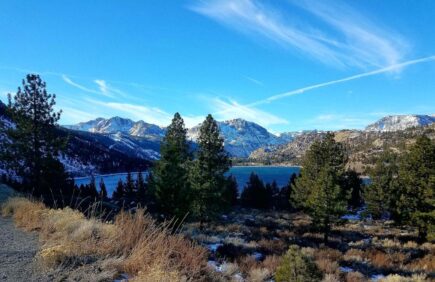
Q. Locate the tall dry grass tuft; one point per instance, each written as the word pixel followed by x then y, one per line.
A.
pixel 153 246
pixel 27 214
pixel 133 244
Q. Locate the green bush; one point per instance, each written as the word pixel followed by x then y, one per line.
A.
pixel 296 267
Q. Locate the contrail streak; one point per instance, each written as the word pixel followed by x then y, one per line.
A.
pixel 338 81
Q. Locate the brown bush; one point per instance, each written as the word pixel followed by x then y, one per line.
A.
pixel 327 266
pixel 426 263
pixel 271 263
pixel 246 263
pixel 272 246
pixel 143 248
pixel 355 277
pixel 353 255
pixel 258 275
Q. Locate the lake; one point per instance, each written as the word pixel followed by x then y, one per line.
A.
pixel 280 174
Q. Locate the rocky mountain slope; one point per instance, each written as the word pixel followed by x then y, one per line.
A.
pixel 400 122
pixel 125 126
pixel 242 137
pixel 108 145
pixel 362 146
pixel 88 153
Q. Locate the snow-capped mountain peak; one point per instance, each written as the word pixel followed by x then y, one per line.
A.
pixel 400 122
pixel 241 136
pixel 120 125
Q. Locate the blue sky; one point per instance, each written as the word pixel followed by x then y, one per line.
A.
pixel 287 65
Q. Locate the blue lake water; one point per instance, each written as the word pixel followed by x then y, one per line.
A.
pixel 280 174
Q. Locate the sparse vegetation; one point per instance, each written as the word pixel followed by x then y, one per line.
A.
pixel 133 243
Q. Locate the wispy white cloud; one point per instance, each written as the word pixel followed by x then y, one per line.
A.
pixel 253 80
pixel 346 79
pixel 225 110
pixel 79 86
pixel 340 36
pixel 103 86
pixel 108 90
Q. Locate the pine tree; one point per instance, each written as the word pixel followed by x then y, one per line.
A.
pixel 231 192
pixel 284 196
pixel 35 144
pixel 352 184
pixel 170 182
pixel 318 189
pixel 254 194
pixel 93 187
pixel 207 173
pixel 140 189
pixel 380 195
pixel 129 186
pixel 103 190
pixel 119 191
pixel 416 201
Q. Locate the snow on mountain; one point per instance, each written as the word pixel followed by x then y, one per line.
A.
pixel 242 137
pixel 143 129
pixel 139 139
pixel 400 122
pixel 122 125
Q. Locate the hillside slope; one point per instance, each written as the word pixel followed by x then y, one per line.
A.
pixel 362 146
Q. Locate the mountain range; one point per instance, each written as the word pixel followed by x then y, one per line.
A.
pixel 400 122
pixel 241 137
pixel 115 144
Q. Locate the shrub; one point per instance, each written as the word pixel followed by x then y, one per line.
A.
pixel 135 242
pixel 297 267
pixel 271 263
pixel 258 275
pixel 355 277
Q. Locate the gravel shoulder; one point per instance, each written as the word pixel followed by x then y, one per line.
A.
pixel 17 249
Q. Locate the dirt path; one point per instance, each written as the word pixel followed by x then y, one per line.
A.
pixel 17 250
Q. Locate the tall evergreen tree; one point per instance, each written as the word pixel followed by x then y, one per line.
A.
pixel 141 189
pixel 380 195
pixel 92 187
pixel 129 186
pixel 207 173
pixel 284 196
pixel 352 184
pixel 231 192
pixel 119 191
pixel 103 190
pixel 170 182
pixel 318 189
pixel 416 201
pixel 35 144
pixel 254 194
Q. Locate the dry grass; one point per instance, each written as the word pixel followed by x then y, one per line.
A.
pixel 398 278
pixel 133 244
pixel 259 275
pixel 354 277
